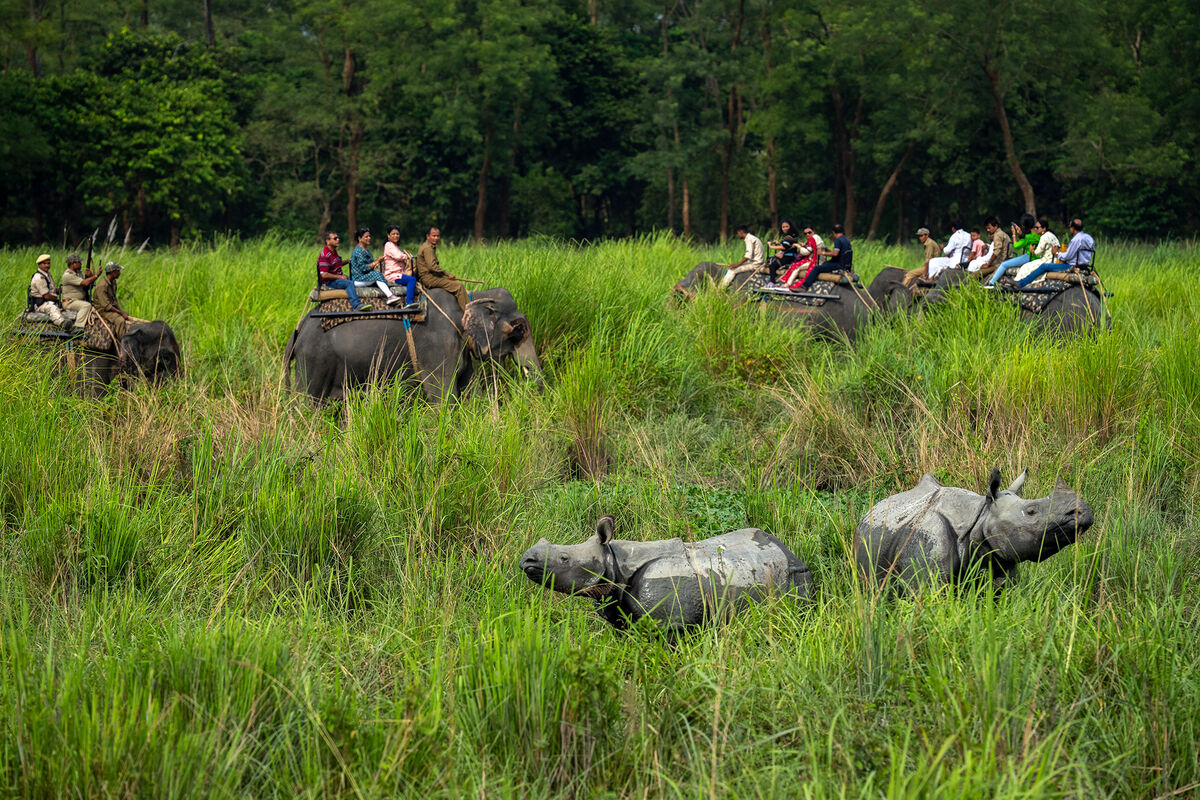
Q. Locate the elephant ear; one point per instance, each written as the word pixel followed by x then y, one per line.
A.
pixel 479 326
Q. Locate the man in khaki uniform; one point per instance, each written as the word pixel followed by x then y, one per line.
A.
pixel 104 301
pixel 932 250
pixel 1002 248
pixel 429 272
pixel 43 293
pixel 75 285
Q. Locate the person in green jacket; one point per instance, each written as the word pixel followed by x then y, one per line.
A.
pixel 1025 239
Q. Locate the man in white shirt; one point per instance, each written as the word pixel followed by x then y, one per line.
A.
pixel 959 242
pixel 754 260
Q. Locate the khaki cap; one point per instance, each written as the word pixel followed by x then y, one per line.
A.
pixel 112 266
pixel 922 231
pixel 43 258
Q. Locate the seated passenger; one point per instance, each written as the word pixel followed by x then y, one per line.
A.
pixel 752 261
pixel 1079 254
pixel 841 257
pixel 931 251
pixel 1001 249
pixel 1025 238
pixel 1043 254
pixel 806 264
pixel 787 251
pixel 43 294
pixel 362 267
pixel 331 276
pixel 957 246
pixel 75 288
pixel 397 266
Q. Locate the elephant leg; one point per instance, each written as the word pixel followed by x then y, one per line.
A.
pixel 440 382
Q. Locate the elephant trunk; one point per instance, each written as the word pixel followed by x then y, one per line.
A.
pixel 527 357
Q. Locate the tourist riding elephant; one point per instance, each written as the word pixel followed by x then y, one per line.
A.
pixel 148 349
pixel 366 351
pixel 842 313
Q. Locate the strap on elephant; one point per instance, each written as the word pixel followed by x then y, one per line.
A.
pixel 412 347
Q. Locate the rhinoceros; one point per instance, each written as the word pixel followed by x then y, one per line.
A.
pixel 676 584
pixel 941 533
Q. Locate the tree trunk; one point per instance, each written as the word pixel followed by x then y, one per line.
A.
pixel 145 20
pixel 1010 151
pixel 326 218
pixel 35 65
pixel 887 188
pixel 772 195
pixel 481 198
pixel 356 139
pixel 687 208
pixel 174 234
pixel 209 36
pixel 726 158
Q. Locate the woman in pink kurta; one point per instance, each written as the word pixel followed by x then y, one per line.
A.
pixel 397 265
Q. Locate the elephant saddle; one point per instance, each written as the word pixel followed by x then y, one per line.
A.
pixel 1035 302
pixel 341 306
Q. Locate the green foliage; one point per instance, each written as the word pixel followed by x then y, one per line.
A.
pixel 211 588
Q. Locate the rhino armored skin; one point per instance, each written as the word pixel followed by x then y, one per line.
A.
pixel 938 533
pixel 676 584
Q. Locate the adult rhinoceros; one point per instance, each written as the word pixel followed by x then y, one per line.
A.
pixel 841 313
pixel 940 533
pixel 364 351
pixel 674 583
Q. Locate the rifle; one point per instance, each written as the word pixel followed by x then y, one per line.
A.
pixel 87 270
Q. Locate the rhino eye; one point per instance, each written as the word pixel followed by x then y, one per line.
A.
pixel 563 559
pixel 1030 511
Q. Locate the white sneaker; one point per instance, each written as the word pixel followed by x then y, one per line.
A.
pixel 391 301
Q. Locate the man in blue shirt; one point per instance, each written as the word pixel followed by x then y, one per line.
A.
pixel 841 257
pixel 1079 253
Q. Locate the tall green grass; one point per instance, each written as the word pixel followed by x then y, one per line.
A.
pixel 211 588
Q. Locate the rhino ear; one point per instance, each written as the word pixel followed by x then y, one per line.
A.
pixel 1015 488
pixel 605 528
pixel 993 485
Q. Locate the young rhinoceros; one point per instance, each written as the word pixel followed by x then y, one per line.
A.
pixel 940 533
pixel 676 584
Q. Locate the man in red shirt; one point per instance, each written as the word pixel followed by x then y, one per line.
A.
pixel 330 274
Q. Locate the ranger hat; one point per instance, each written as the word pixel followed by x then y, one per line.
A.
pixel 922 231
pixel 112 266
pixel 74 258
pixel 43 258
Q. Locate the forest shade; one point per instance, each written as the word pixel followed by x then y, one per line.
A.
pixel 501 118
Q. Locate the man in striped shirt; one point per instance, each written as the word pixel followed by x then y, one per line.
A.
pixel 330 274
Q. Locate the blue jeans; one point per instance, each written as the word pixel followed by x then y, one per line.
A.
pixel 1049 266
pixel 410 288
pixel 1015 261
pixel 348 286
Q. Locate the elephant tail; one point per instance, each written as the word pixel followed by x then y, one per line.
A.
pixel 289 355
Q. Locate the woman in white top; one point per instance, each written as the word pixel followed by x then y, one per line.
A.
pixel 1043 254
pixel 397 265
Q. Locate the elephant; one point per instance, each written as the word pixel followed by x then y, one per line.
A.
pixel 150 350
pixel 1076 309
pixel 368 351
pixel 840 316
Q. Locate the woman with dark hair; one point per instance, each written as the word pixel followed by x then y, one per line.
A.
pixel 1043 255
pixel 804 271
pixel 787 251
pixel 1025 238
pixel 362 266
pixel 397 265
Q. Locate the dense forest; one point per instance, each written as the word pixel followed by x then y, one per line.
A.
pixel 593 118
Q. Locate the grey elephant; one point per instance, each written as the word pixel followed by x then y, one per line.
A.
pixel 840 316
pixel 149 350
pixel 675 584
pixel 937 533
pixel 1075 309
pixel 366 351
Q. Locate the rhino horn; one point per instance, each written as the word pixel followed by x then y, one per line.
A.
pixel 1060 484
pixel 605 528
pixel 1016 486
pixel 993 484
